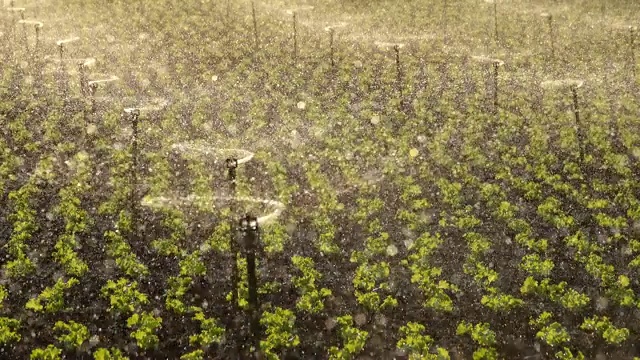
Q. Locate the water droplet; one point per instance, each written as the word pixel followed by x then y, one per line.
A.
pixel 360 319
pixel 91 129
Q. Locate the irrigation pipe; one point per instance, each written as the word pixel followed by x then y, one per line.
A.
pixel 204 150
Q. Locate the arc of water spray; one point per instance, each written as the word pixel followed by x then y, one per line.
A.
pixel 247 155
pixel 86 62
pixel 112 78
pixel 17 9
pixel 145 108
pixel 68 40
pixel 37 24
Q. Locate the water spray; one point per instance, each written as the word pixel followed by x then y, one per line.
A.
pixel 205 152
pixel 248 229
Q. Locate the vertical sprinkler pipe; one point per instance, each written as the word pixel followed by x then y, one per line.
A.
pixel 250 233
pixel 232 165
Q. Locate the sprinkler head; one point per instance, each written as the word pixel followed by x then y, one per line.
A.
pixel 231 163
pixel 249 223
pixel 133 112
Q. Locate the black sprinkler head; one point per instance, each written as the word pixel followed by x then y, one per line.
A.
pixel 231 163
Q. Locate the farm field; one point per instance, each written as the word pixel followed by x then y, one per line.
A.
pixel 451 179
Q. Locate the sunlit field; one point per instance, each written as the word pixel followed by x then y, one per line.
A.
pixel 268 179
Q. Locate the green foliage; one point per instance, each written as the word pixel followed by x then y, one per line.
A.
pixel 566 354
pixel 311 299
pixel 483 336
pixel 365 280
pixel 178 287
pixel 9 330
pixel 602 325
pixel 280 330
pixel 118 248
pixel 559 293
pixel 123 296
pixel 498 301
pixel 353 340
pixel 145 325
pixel 49 353
pixel 418 345
pixel 3 295
pixel 109 354
pixel 52 298
pixel 193 355
pixel 192 265
pixel 534 265
pixel 553 333
pixel 551 211
pixel 74 334
pixel 426 276
pixel 210 331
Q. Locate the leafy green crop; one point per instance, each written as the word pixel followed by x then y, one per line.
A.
pixel 280 331
pixel 418 345
pixel 73 334
pixel 51 299
pixel 145 325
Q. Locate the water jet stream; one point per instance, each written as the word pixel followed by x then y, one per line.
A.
pixel 243 156
pixel 101 81
pixel 38 24
pixel 66 41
